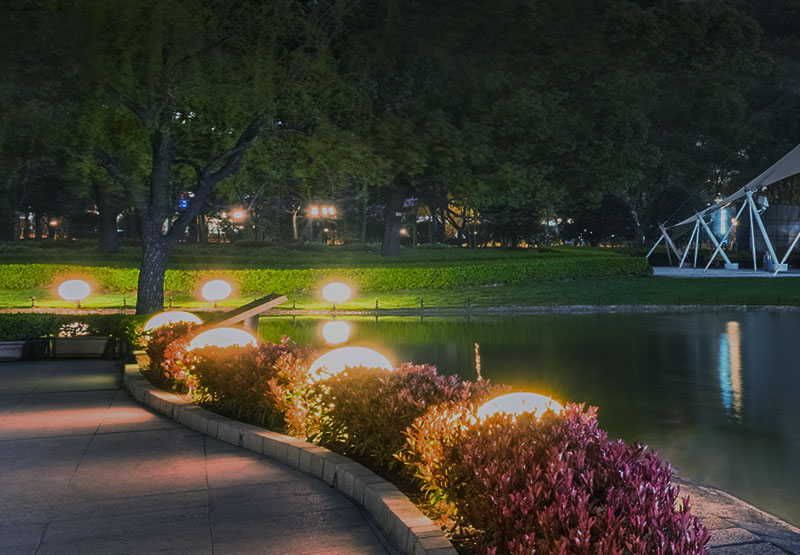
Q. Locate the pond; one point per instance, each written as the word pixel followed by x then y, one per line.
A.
pixel 715 393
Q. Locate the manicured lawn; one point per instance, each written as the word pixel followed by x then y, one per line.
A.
pixel 605 291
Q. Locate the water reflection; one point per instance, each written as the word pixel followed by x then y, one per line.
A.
pixel 730 370
pixel 673 381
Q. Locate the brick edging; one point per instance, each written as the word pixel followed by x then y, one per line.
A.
pixel 404 525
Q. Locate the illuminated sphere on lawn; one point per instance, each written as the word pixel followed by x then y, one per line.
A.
pixel 336 332
pixel 518 403
pixel 74 290
pixel 335 361
pixel 223 337
pixel 171 317
pixel 336 292
pixel 216 290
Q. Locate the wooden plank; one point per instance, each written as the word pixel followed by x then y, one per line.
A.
pixel 245 312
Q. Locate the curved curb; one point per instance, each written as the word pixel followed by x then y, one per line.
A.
pixel 398 518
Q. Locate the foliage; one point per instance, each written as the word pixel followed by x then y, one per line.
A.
pixel 170 362
pixel 444 276
pixel 17 327
pixel 365 411
pixel 553 484
pixel 266 385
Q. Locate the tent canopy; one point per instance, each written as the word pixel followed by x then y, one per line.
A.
pixel 787 166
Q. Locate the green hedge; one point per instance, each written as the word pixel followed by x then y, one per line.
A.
pixel 18 327
pixel 24 276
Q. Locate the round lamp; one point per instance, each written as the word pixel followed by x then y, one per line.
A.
pixel 518 403
pixel 216 290
pixel 336 332
pixel 336 292
pixel 335 361
pixel 171 317
pixel 74 290
pixel 222 337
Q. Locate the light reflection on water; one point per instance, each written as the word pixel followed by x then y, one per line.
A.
pixel 715 393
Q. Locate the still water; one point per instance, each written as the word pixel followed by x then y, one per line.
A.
pixel 715 393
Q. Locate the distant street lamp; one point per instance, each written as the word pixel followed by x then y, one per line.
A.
pixel 237 215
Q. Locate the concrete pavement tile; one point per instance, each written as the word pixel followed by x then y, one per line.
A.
pixel 748 549
pixel 238 469
pixel 28 459
pixel 241 508
pixel 126 415
pixel 20 535
pixel 730 536
pixel 51 415
pixel 183 529
pixel 112 506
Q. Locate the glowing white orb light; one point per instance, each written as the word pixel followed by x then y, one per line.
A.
pixel 336 332
pixel 74 290
pixel 171 317
pixel 335 361
pixel 336 292
pixel 517 403
pixel 222 337
pixel 216 290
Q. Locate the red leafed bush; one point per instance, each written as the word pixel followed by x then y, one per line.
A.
pixel 553 484
pixel 169 360
pixel 267 385
pixel 365 411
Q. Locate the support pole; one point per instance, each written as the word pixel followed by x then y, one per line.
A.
pixel 713 256
pixel 752 237
pixel 696 247
pixel 654 246
pixel 785 256
pixel 689 244
pixel 761 227
pixel 670 244
pixel 713 239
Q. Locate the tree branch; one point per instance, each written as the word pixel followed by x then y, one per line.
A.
pixel 110 165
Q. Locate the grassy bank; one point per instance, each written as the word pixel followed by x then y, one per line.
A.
pixel 601 291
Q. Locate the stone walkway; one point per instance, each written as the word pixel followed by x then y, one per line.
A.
pixel 84 469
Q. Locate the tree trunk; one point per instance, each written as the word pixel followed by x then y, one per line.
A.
pixel 393 219
pixel 150 292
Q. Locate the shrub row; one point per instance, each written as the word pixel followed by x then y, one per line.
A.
pixel 384 279
pixel 18 327
pixel 548 483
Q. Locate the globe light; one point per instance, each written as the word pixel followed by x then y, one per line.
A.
pixel 238 214
pixel 518 403
pixel 336 292
pixel 335 361
pixel 74 290
pixel 336 332
pixel 171 317
pixel 222 337
pixel 216 290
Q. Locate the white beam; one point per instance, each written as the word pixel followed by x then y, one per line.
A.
pixel 785 256
pixel 716 252
pixel 654 246
pixel 713 239
pixel 761 227
pixel 689 244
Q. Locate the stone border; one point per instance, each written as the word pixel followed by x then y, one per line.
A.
pixel 396 516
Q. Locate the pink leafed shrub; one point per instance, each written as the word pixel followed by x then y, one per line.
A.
pixel 169 360
pixel 267 385
pixel 365 411
pixel 554 484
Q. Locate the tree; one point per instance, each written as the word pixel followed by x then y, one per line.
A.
pixel 176 95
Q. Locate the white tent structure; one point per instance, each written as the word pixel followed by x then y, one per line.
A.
pixel 787 166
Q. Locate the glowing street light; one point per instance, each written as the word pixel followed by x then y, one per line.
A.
pixel 74 290
pixel 171 317
pixel 216 290
pixel 336 332
pixel 335 361
pixel 518 403
pixel 237 215
pixel 223 337
pixel 336 292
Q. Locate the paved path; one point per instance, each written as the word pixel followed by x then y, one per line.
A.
pixel 85 469
pixel 742 272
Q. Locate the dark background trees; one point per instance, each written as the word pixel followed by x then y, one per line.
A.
pixel 474 122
